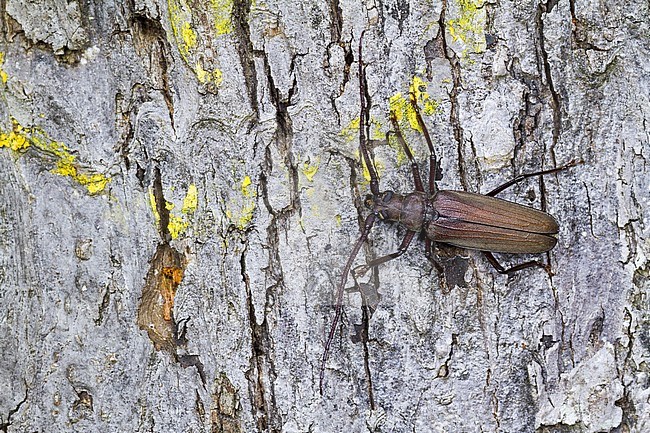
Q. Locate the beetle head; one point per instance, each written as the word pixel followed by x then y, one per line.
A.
pixel 386 205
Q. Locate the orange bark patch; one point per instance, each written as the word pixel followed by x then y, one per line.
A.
pixel 156 309
pixel 173 277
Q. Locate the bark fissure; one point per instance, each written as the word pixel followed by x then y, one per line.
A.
pixel 527 120
pixel 336 21
pixel 262 362
pixel 240 16
pixel 624 368
pixel 445 368
pixel 164 76
pixel 542 55
pixel 589 211
pixel 161 206
pixel 579 33
pixel 103 306
pixel 4 426
pixel 156 307
pixel 454 115
pixel 260 346
pixel 365 323
pixel 150 40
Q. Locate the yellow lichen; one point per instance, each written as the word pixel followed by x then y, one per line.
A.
pixel 239 210
pixel 188 23
pixel 222 12
pixel 180 20
pixel 309 170
pixel 189 35
pixel 20 139
pixel 402 109
pixel 179 222
pixel 242 217
pixel 418 90
pixel 377 130
pixel 205 77
pixel 469 26
pixel 217 77
pixel 15 139
pixel 246 187
pixel 379 167
pixel 191 200
pixel 246 216
pixel 202 75
pixel 154 208
pixel 177 225
pixel 351 131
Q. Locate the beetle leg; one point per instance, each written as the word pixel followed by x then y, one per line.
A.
pixel 434 171
pixel 417 179
pixel 500 269
pixel 360 270
pixel 428 253
pixel 521 177
pixel 429 246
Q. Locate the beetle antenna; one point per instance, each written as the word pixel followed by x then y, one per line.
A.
pixel 370 220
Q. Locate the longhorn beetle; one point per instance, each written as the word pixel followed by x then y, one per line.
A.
pixel 459 218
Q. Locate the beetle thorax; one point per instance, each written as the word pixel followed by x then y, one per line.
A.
pixel 408 210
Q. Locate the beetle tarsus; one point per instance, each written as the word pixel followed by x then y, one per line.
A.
pixel 506 271
pixel 360 271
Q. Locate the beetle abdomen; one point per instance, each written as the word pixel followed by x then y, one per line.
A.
pixel 488 238
pixel 490 224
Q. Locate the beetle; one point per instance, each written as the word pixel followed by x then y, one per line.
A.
pixel 459 218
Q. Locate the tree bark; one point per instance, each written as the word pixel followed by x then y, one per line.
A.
pixel 180 188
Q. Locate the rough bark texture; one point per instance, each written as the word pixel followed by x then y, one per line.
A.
pixel 180 188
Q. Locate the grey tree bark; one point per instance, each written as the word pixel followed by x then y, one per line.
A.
pixel 180 187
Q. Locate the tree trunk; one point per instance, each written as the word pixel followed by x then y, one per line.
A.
pixel 180 188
